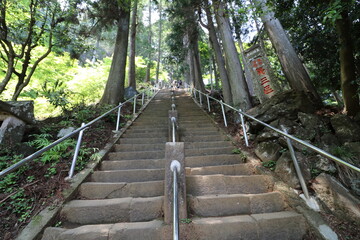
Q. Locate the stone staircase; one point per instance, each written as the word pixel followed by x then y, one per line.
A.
pixel 123 199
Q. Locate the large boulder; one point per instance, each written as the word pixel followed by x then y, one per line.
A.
pixel 11 131
pixel 286 171
pixel 268 151
pixel 285 104
pixel 130 92
pixel 345 129
pixel 23 110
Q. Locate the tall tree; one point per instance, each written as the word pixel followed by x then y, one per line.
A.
pixel 147 78
pixel 24 27
pixel 239 89
pixel 218 54
pixel 313 30
pixel 159 43
pixel 293 68
pixel 132 79
pixel 347 62
pixel 114 90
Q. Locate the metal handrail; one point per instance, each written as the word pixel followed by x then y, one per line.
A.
pixel 83 127
pixel 173 123
pixel 175 167
pixel 312 147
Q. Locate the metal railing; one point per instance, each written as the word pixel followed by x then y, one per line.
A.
pixel 175 168
pixel 78 144
pixel 197 93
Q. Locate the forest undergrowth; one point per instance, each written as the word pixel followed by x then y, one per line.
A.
pixel 39 184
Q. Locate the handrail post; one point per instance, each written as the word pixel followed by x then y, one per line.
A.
pixel 244 128
pixel 208 102
pixel 296 165
pixel 76 153
pixel 200 98
pixel 175 168
pixel 118 117
pixel 142 98
pixel 223 112
pixel 135 99
pixel 173 121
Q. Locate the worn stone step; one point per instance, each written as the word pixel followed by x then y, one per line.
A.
pixel 142 140
pixel 189 134
pixel 132 164
pixel 234 169
pixel 98 190
pixel 199 130
pixel 190 145
pixel 200 185
pixel 235 204
pixel 136 175
pixel 136 155
pixel 112 210
pixel 146 135
pixel 124 231
pixel 203 138
pixel 148 130
pixel 213 160
pixel 138 147
pixel 265 226
pixel 208 151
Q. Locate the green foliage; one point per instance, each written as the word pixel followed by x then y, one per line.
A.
pixel 341 152
pixel 236 151
pixel 270 164
pixel 186 220
pixel 54 154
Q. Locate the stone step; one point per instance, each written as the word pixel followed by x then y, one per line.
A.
pixel 234 169
pixel 132 164
pixel 203 138
pixel 190 145
pixel 112 210
pixel 136 175
pixel 143 140
pixel 146 135
pixel 125 231
pixel 98 190
pixel 136 155
pixel 200 185
pixel 139 147
pixel 214 133
pixel 147 130
pixel 235 204
pixel 213 160
pixel 208 151
pixel 199 130
pixel 264 226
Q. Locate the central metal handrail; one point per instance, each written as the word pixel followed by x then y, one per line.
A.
pixel 314 148
pixel 175 167
pixel 173 124
pixel 60 140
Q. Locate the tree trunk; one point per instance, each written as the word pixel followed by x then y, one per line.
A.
pixel 114 90
pixel 132 67
pixel 216 75
pixel 199 83
pixel 238 86
pixel 219 57
pixel 9 72
pixel 347 65
pixel 291 64
pixel 159 44
pixel 147 77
